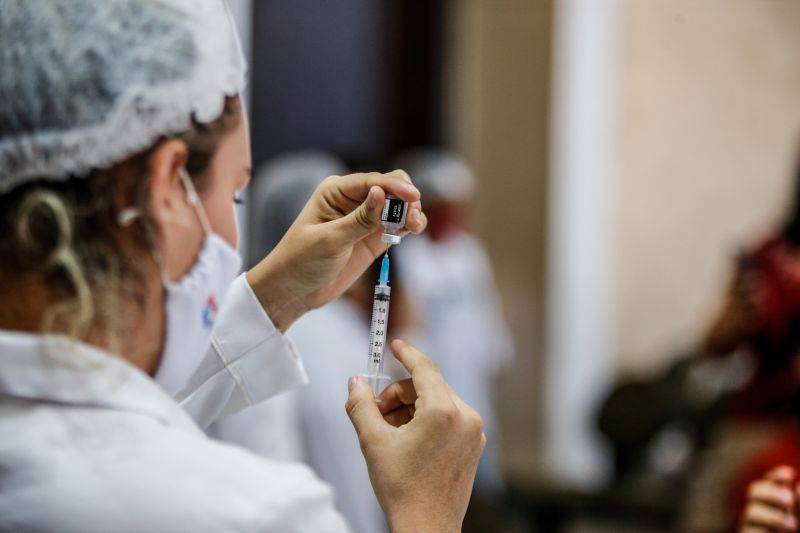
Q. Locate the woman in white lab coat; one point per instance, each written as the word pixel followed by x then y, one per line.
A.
pixel 123 145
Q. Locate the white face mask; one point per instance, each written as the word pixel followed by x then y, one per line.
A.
pixel 192 303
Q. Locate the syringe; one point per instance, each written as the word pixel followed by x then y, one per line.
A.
pixel 380 320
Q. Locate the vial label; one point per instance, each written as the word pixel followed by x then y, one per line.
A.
pixel 393 211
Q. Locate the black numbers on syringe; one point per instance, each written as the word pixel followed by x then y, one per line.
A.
pixel 378 335
pixel 380 313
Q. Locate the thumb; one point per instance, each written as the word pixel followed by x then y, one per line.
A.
pixel 363 220
pixel 363 409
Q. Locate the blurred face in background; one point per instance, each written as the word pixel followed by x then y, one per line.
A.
pixel 447 219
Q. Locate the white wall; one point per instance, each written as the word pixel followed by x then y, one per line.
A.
pixel 578 349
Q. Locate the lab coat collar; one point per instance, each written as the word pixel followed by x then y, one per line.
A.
pixel 56 369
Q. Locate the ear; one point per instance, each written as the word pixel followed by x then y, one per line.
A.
pixel 167 194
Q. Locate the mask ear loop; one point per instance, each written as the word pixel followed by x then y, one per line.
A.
pixel 125 218
pixel 194 201
pixel 128 215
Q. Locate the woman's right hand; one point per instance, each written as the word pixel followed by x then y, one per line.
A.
pixel 421 443
pixel 334 239
pixel 772 503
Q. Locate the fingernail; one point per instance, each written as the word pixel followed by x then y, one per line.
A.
pixel 411 188
pixel 791 522
pixel 416 215
pixel 351 383
pixel 372 202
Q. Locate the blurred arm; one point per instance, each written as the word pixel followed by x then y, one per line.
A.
pixel 734 321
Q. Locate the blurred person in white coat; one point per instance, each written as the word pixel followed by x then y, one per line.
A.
pixel 123 149
pixel 308 424
pixel 334 341
pixel 455 294
pixel 280 189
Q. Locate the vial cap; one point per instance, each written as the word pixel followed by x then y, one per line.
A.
pixel 388 238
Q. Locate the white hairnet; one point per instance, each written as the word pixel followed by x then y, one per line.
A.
pixel 280 190
pixel 439 174
pixel 85 84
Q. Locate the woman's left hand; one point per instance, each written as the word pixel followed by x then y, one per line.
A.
pixel 332 242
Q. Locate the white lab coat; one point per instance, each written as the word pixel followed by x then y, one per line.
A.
pixel 88 442
pixel 459 309
pixel 334 342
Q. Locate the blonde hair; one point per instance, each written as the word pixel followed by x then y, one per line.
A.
pixel 35 207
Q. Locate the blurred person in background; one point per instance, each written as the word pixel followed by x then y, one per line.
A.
pixel 124 145
pixel 760 317
pixel 280 189
pixel 308 424
pixel 335 340
pixel 455 295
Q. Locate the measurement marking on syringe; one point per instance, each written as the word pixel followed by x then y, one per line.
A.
pixel 378 329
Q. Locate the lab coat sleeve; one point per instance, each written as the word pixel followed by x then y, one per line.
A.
pixel 249 361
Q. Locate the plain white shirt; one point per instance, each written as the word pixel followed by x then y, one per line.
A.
pixel 88 442
pixel 460 312
pixel 334 341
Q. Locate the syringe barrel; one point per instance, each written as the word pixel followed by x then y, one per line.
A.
pixel 377 341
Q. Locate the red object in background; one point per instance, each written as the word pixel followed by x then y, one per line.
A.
pixel 776 266
pixel 774 339
pixel 446 219
pixel 782 449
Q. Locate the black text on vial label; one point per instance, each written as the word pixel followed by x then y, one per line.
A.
pixel 393 211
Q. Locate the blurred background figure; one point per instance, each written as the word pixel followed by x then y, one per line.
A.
pixel 760 319
pixel 455 296
pixel 279 191
pixel 761 316
pixel 334 341
pixel 310 424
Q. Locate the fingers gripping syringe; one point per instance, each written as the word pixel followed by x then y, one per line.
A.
pixel 380 320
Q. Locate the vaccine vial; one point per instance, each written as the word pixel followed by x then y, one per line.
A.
pixel 393 219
